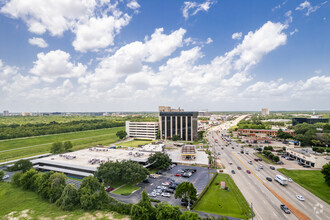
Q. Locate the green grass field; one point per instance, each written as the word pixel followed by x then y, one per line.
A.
pixel 18 200
pixel 312 180
pixel 134 143
pixel 222 202
pixel 24 147
pixel 126 190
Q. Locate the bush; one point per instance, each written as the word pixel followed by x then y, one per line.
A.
pixel 23 165
pixel 16 179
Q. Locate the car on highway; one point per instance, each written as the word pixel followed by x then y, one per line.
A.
pixel 260 159
pixel 285 209
pixel 230 163
pixel 256 159
pixel 261 167
pixel 250 162
pixel 272 168
pixel 248 171
pixel 257 169
pixel 300 197
pixel 233 171
pixel 269 179
pixel 239 168
pixel 290 180
pixel 177 174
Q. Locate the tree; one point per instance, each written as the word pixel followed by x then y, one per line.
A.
pixel 186 191
pixel 67 145
pixel 27 180
pixel 16 179
pixel 121 134
pixel 2 174
pixel 23 165
pixel 187 215
pixel 143 210
pixel 57 184
pixel 284 149
pixel 57 148
pixel 326 172
pixel 88 193
pixel 276 158
pixel 69 198
pixel 259 149
pixel 43 183
pixel 167 211
pixel 175 137
pixel 160 160
pixel 200 135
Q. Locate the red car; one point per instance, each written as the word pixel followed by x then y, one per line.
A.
pixel 108 188
pixel 248 171
pixel 177 174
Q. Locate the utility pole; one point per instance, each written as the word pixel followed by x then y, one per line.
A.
pixel 251 210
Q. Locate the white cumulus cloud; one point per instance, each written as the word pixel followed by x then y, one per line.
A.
pixel 192 8
pixel 37 41
pixel 133 5
pixel 56 64
pixel 237 36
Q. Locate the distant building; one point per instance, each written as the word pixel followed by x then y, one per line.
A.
pixel 5 113
pixel 296 121
pixel 261 132
pixel 144 130
pixel 307 156
pixel 177 122
pixel 204 114
pixel 26 113
pixel 264 111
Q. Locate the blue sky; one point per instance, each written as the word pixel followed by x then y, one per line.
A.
pixel 129 55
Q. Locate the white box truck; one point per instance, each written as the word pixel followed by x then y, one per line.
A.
pixel 282 180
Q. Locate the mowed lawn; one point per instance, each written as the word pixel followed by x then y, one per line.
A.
pixel 126 190
pixel 24 147
pixel 16 200
pixel 219 201
pixel 312 180
pixel 134 143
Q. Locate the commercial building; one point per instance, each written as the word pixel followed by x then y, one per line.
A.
pixel 296 121
pixel 264 111
pixel 188 152
pixel 26 113
pixel 177 122
pixel 307 156
pixel 260 132
pixel 5 113
pixel 144 130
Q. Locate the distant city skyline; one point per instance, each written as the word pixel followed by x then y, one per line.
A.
pixel 131 56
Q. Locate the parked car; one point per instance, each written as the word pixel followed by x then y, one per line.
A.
pixel 166 183
pixel 248 171
pixel 306 166
pixel 152 194
pixel 290 180
pixel 233 171
pixel 146 181
pixel 152 176
pixel 193 170
pixel 285 209
pixel 169 190
pixel 165 194
pixel 269 179
pixel 5 177
pixel 109 189
pixel 300 197
pixel 279 162
pixel 173 186
pixel 177 174
pixel 272 168
pixel 171 180
pixel 159 172
pixel 239 168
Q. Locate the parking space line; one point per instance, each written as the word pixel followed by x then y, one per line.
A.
pixel 294 210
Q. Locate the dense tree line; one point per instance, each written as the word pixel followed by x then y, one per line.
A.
pixel 306 134
pixel 28 130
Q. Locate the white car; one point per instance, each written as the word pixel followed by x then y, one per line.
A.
pixel 166 183
pixel 290 180
pixel 5 177
pixel 258 169
pixel 166 194
pixel 153 194
pixel 300 197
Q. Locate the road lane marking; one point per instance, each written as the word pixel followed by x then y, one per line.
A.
pixel 294 210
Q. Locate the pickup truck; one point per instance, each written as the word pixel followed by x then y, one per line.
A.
pixel 285 209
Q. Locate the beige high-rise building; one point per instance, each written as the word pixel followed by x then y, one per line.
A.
pixel 264 111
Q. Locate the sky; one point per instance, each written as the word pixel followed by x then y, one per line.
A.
pixel 131 55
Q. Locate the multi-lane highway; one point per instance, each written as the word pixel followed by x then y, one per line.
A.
pixel 253 186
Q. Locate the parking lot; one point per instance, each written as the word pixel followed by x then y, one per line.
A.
pixel 200 179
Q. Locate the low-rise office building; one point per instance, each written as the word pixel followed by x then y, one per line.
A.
pixel 307 156
pixel 143 130
pixel 261 132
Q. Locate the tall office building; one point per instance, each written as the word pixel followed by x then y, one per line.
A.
pixel 177 122
pixel 264 111
pixel 5 113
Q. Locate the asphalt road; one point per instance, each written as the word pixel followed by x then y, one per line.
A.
pixel 265 204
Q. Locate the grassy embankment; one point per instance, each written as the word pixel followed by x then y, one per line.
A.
pixel 18 200
pixel 24 147
pixel 219 201
pixel 126 190
pixel 264 158
pixel 312 180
